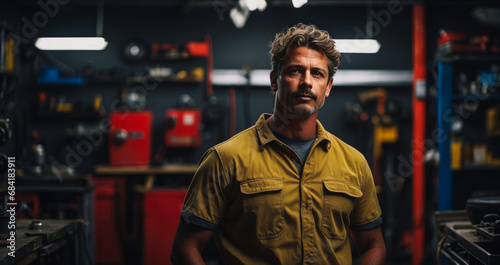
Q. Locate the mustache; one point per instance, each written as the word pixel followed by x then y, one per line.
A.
pixel 304 92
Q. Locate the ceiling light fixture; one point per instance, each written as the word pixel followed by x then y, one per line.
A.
pixel 71 43
pixel 76 43
pixel 261 5
pixel 251 4
pixel 298 3
pixel 357 45
pixel 239 14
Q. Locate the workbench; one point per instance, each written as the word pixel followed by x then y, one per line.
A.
pixel 140 196
pixel 58 199
pixel 465 246
pixel 149 173
pixel 47 240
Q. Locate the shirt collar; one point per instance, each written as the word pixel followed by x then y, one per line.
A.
pixel 266 135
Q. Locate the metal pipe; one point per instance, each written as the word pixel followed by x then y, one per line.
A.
pixel 419 87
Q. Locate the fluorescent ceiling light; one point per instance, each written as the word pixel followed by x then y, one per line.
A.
pixel 71 44
pixel 357 45
pixel 343 77
pixel 298 3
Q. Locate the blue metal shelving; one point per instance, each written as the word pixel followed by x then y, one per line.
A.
pixel 444 109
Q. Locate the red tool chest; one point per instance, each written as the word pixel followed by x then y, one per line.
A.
pixel 130 138
pixel 183 128
pixel 108 195
pixel 162 210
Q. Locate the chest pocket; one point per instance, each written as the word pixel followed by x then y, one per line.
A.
pixel 263 206
pixel 338 204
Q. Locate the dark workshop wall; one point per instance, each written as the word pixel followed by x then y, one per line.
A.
pixel 10 16
pixel 232 48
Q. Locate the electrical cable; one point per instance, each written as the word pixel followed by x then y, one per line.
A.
pixel 440 246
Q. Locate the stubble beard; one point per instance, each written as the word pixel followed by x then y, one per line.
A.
pixel 304 111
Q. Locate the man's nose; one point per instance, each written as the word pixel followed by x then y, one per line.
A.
pixel 306 81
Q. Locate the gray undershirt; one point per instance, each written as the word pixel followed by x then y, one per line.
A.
pixel 300 147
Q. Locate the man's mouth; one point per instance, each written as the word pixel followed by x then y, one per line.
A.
pixel 304 96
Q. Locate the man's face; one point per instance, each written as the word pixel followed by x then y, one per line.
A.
pixel 303 82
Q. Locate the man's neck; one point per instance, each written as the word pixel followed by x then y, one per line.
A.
pixel 298 127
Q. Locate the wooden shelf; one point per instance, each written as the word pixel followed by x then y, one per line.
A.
pixel 68 115
pixel 482 98
pixel 479 57
pixel 104 81
pixel 477 168
pixel 148 172
pixel 145 170
pixel 175 57
pixel 159 80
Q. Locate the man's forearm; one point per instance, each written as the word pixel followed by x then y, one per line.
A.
pixel 189 256
pixel 373 256
pixel 189 242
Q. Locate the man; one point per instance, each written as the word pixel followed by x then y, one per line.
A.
pixel 285 191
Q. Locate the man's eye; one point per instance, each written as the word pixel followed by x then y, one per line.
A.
pixel 294 71
pixel 318 73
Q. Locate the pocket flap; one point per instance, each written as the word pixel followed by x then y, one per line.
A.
pixel 261 185
pixel 340 187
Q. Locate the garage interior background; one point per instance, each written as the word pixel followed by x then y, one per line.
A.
pixel 180 22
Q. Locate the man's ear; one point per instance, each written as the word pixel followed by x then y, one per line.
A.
pixel 329 87
pixel 274 81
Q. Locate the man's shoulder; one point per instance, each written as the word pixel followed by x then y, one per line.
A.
pixel 244 139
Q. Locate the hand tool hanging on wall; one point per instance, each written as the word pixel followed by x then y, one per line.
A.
pixel 385 131
pixel 384 128
pixel 375 113
pixel 383 120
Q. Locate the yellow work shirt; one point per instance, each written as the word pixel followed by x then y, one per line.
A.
pixel 248 191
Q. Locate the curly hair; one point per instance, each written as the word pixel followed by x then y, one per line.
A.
pixel 303 35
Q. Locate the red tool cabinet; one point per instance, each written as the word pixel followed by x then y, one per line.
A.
pixel 183 128
pixel 108 248
pixel 130 138
pixel 162 210
pixel 154 211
